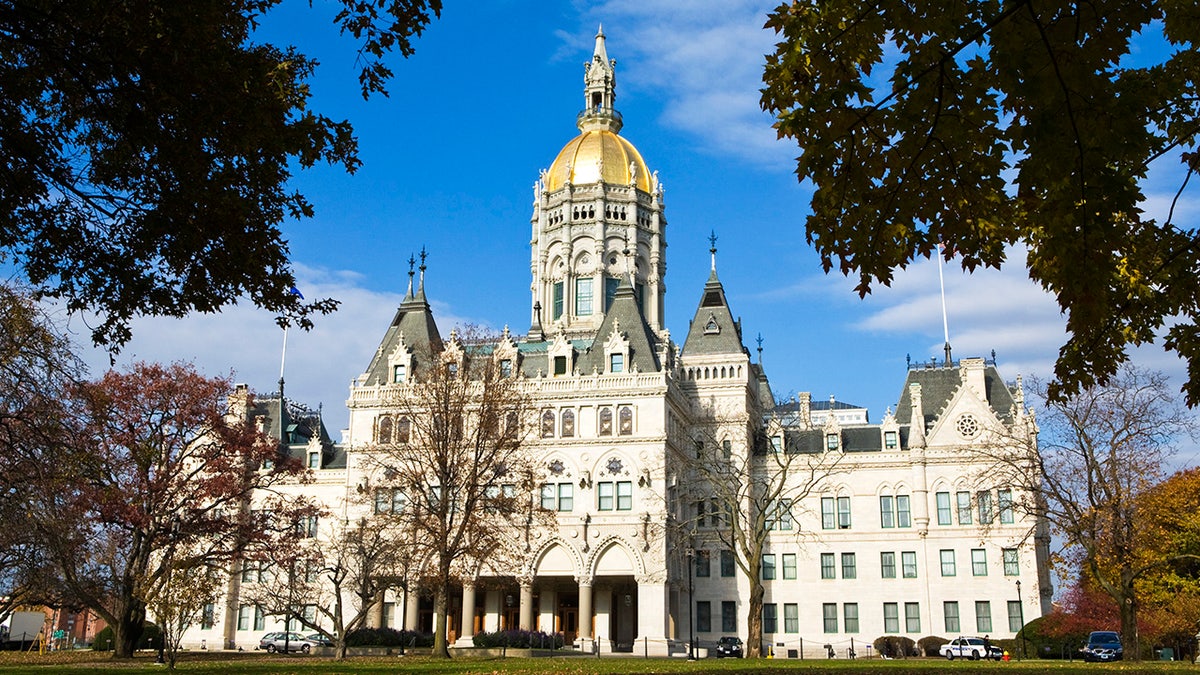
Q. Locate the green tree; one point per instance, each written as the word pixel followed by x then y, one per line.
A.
pixel 981 124
pixel 148 145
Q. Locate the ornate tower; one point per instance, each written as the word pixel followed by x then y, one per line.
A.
pixel 597 215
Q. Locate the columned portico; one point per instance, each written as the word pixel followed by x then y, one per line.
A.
pixel 467 630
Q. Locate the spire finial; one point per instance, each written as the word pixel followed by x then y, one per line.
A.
pixel 411 262
pixel 760 341
pixel 712 240
pixel 421 287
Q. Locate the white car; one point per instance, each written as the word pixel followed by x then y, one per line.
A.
pixel 973 648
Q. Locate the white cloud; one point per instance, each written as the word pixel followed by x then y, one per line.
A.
pixel 703 61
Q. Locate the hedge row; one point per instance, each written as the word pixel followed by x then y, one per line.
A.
pixel 519 639
pixel 387 637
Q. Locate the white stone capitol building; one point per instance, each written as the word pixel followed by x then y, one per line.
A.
pixel 903 536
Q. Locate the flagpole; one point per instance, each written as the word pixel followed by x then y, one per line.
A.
pixel 942 283
pixel 282 361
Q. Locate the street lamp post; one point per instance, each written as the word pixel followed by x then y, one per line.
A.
pixel 1021 618
pixel 691 554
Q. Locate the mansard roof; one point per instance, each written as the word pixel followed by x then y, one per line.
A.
pixel 624 314
pixel 939 385
pixel 414 321
pixel 713 329
pixel 295 426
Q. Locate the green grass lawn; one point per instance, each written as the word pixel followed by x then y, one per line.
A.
pixel 71 663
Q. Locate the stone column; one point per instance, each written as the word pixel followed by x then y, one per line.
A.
pixel 585 613
pixel 526 620
pixel 652 615
pixel 375 619
pixel 468 617
pixel 412 611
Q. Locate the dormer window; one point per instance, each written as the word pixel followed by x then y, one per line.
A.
pixel 314 460
pixel 832 441
pixel 890 440
pixel 452 369
pixel 506 368
pixel 560 365
pixel 398 374
pixel 616 363
pixel 711 328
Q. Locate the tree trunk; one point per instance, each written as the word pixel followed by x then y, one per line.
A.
pixel 127 631
pixel 1129 627
pixel 754 620
pixel 441 648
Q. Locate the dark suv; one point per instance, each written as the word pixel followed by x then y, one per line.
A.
pixel 729 646
pixel 1103 645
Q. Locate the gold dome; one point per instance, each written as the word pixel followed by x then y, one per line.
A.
pixel 594 155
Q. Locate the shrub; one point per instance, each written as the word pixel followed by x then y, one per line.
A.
pixel 1047 640
pixel 387 637
pixel 519 639
pixel 931 645
pixel 149 639
pixel 895 646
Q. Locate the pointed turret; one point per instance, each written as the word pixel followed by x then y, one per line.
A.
pixel 713 330
pixel 413 330
pixel 600 91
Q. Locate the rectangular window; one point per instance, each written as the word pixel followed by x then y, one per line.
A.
pixel 849 566
pixel 314 460
pixel 566 497
pixel 950 612
pixel 548 496
pixel 785 514
pixel 770 618
pixel 964 508
pixel 891 618
pixel 209 616
pixel 983 616
pixel 828 571
pixel 948 567
pixel 843 512
pixel 624 495
pixel 768 567
pixel 1012 566
pixel 979 562
pixel 244 617
pixel 791 618
pixel 616 363
pixel 1005 502
pixel 903 511
pixel 727 564
pixel 703 568
pixel 887 565
pixel 249 571
pixel 604 496
pixel 703 616
pixel 558 301
pixel 850 616
pixel 777 444
pixel 560 365
pixel 887 515
pixel 728 616
pixel 260 618
pixel 890 440
pixel 398 374
pixel 1014 616
pixel 583 297
pixel 610 290
pixel 727 450
pixel 831 441
pixel 829 614
pixel 908 561
pixel 943 508
pixel 985 507
pixel 505 368
pixel 912 617
pixel 828 515
pixel 789 565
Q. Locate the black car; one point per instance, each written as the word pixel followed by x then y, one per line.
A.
pixel 1103 645
pixel 729 646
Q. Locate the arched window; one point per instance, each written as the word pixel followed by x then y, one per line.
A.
pixel 568 423
pixel 625 418
pixel 548 424
pixel 403 429
pixel 383 432
pixel 606 419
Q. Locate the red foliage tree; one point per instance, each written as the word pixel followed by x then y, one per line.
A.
pixel 158 476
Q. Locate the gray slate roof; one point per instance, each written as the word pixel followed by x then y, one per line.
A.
pixel 938 386
pixel 626 314
pixel 713 330
pixel 413 320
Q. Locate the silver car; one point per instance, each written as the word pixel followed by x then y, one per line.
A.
pixel 286 642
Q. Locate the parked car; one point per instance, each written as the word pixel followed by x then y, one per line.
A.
pixel 292 642
pixel 729 646
pixel 973 648
pixel 319 640
pixel 1103 645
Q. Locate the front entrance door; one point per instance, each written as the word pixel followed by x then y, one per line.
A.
pixel 568 624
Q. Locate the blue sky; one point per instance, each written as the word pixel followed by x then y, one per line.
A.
pixel 487 101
